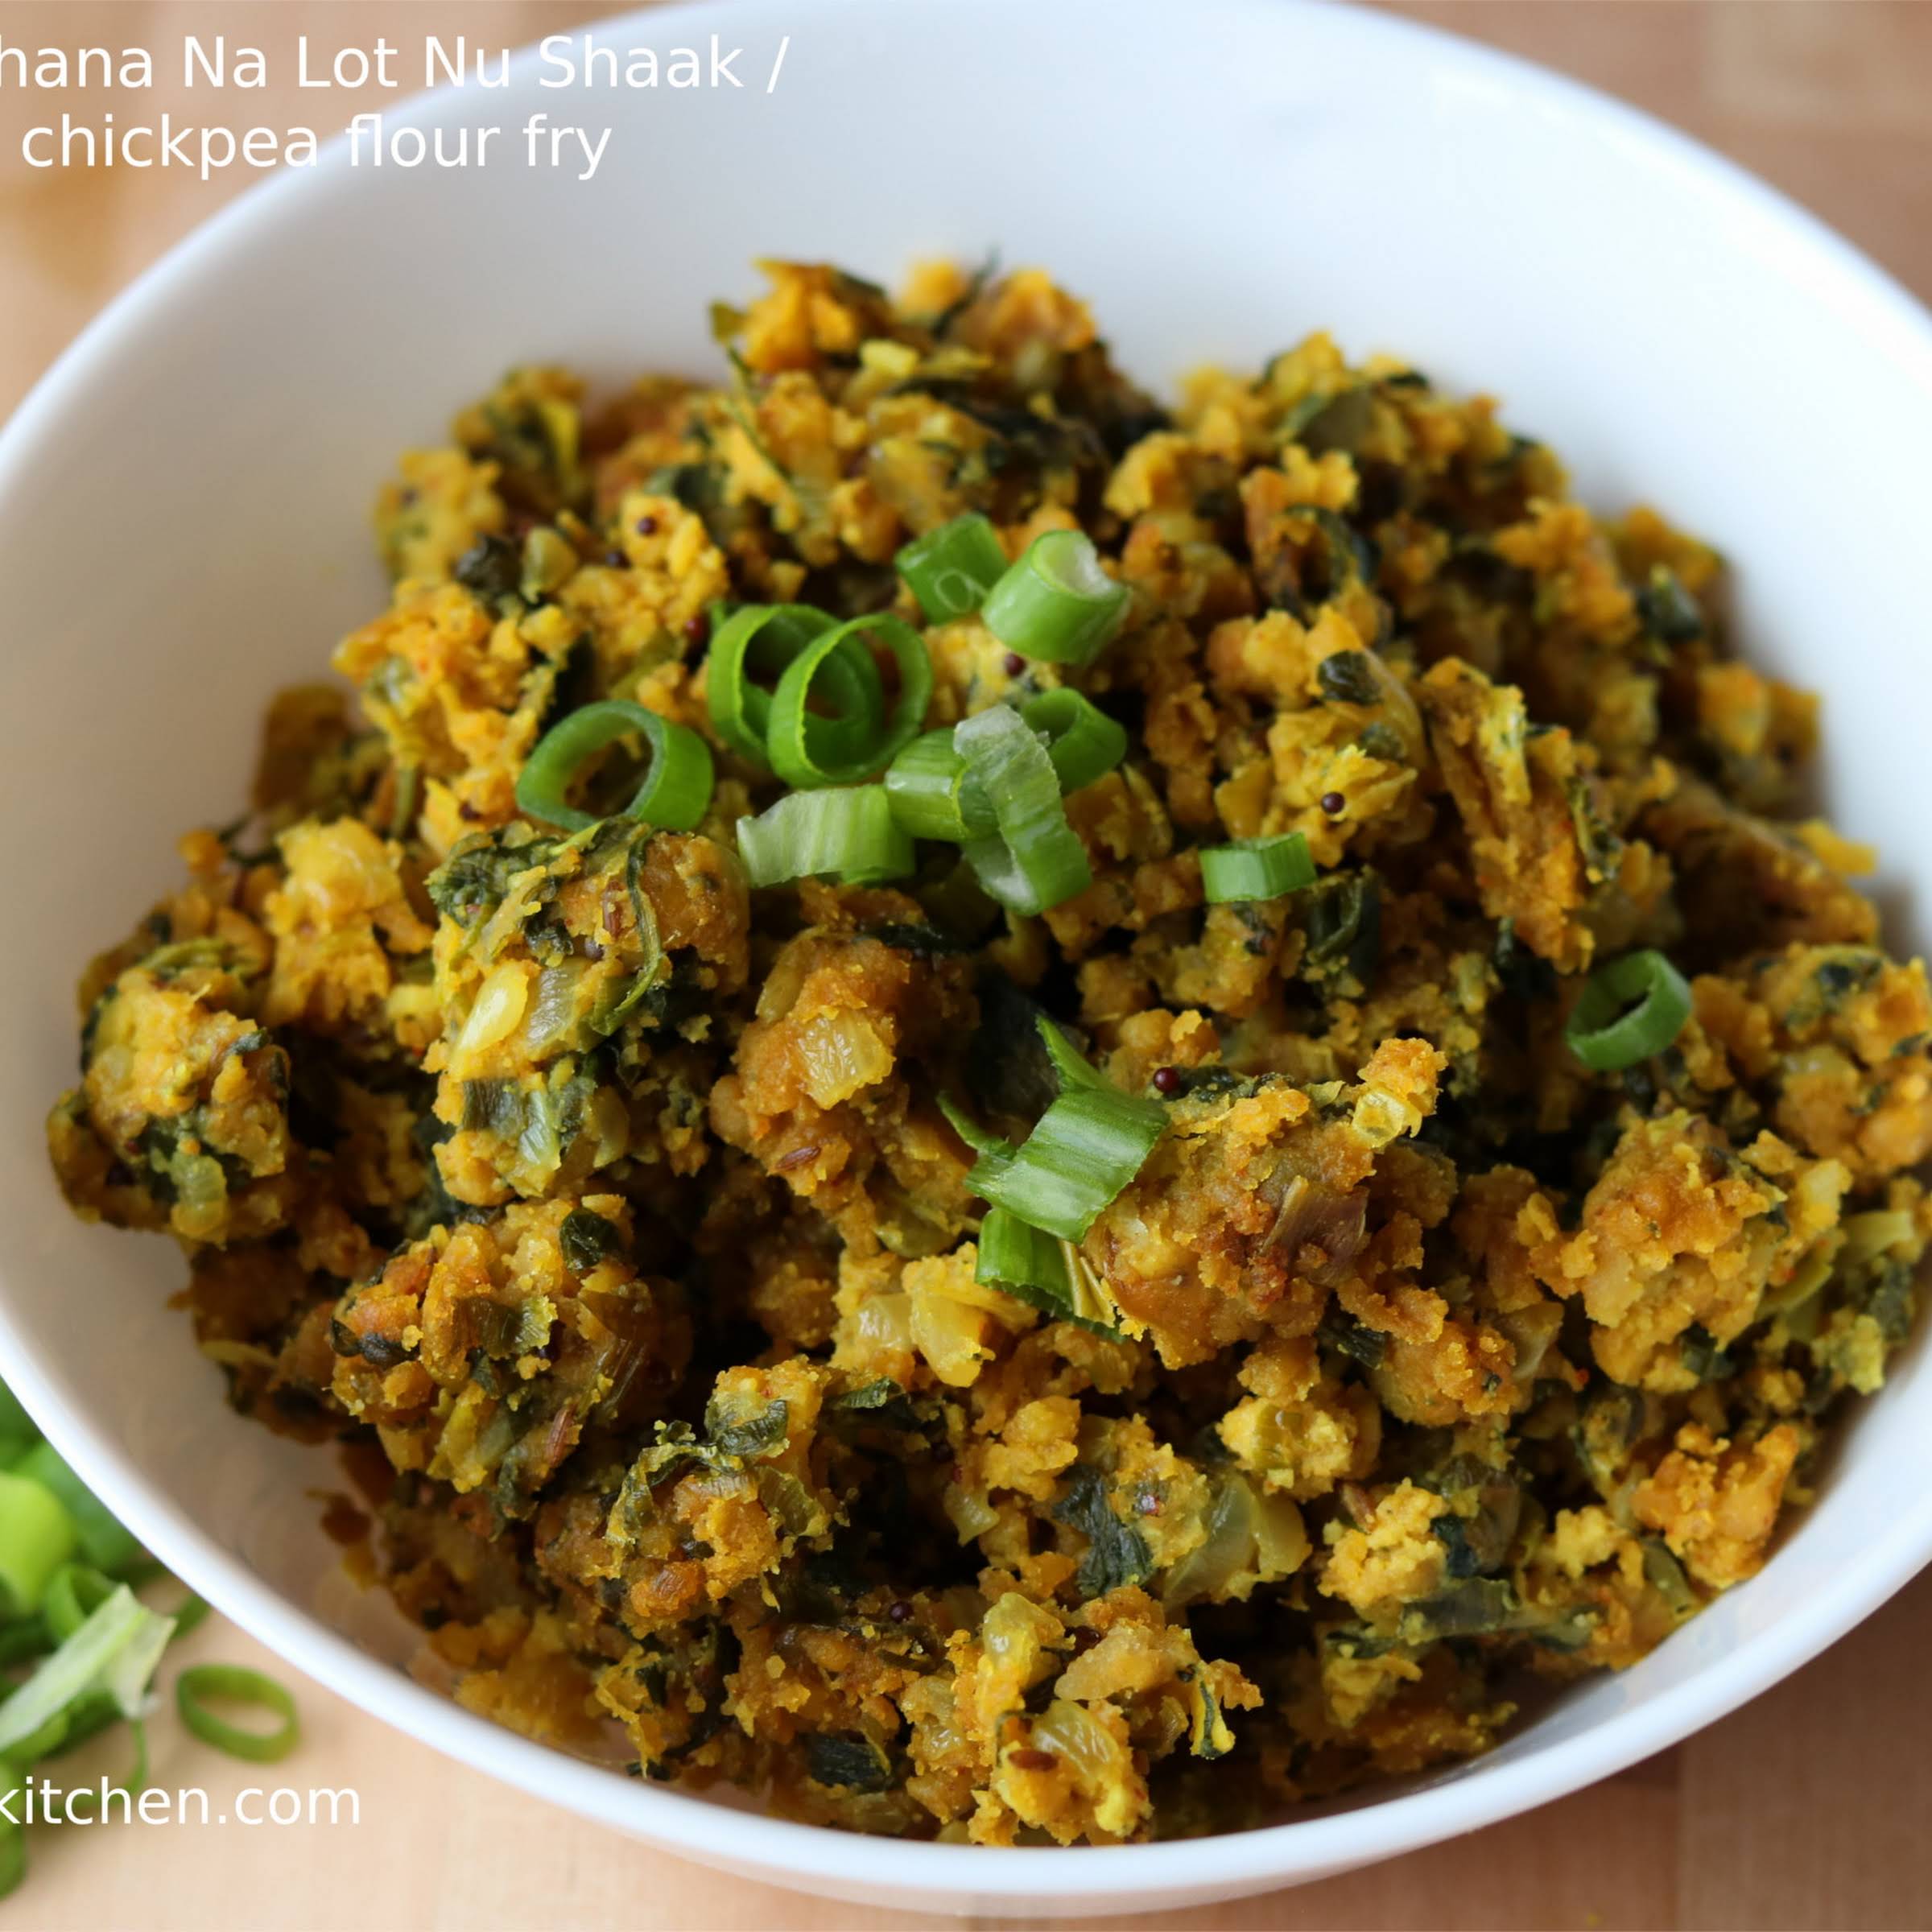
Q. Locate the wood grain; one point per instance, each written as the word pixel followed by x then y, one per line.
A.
pixel 1806 1810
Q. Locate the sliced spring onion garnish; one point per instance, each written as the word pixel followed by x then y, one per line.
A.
pixel 1041 1270
pixel 933 795
pixel 1023 1259
pixel 238 1685
pixel 1057 603
pixel 1256 869
pixel 988 1146
pixel 759 641
pixel 131 1669
pixel 1083 743
pixel 1628 1009
pixel 37 1536
pixel 676 788
pixel 1088 1146
pixel 846 833
pixel 1034 859
pixel 807 748
pixel 951 569
pixel 87 1716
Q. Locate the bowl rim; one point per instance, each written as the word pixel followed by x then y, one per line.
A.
pixel 1872 305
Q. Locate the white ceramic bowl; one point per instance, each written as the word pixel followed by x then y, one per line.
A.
pixel 183 529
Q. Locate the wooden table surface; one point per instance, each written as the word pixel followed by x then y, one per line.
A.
pixel 1806 1810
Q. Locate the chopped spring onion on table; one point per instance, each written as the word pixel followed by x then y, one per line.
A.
pixel 104 1544
pixel 1628 1009
pixel 87 1716
pixel 115 1650
pixel 809 747
pixel 237 1685
pixel 845 832
pixel 37 1536
pixel 78 1649
pixel 1083 743
pixel 677 784
pixel 1034 859
pixel 933 795
pixel 1256 869
pixel 1057 603
pixel 765 638
pixel 1086 1147
pixel 951 569
pixel 74 1593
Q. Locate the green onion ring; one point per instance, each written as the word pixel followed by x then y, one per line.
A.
pixel 950 570
pixel 1083 743
pixel 1057 604
pixel 1256 869
pixel 1025 1260
pixel 45 1740
pixel 807 750
pixel 1035 859
pixel 767 637
pixel 103 1542
pixel 37 1536
pixel 933 795
pixel 1628 1009
pixel 74 1593
pixel 1040 1269
pixel 1087 1146
pixel 846 833
pixel 243 1685
pixel 676 788
pixel 115 1650
pixel 86 1717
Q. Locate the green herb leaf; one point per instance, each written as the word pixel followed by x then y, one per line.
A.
pixel 1346 677
pixel 747 1435
pixel 1116 1554
pixel 492 569
pixel 588 1239
pixel 847 1762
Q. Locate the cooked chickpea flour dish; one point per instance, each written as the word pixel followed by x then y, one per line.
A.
pixel 1023 1118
